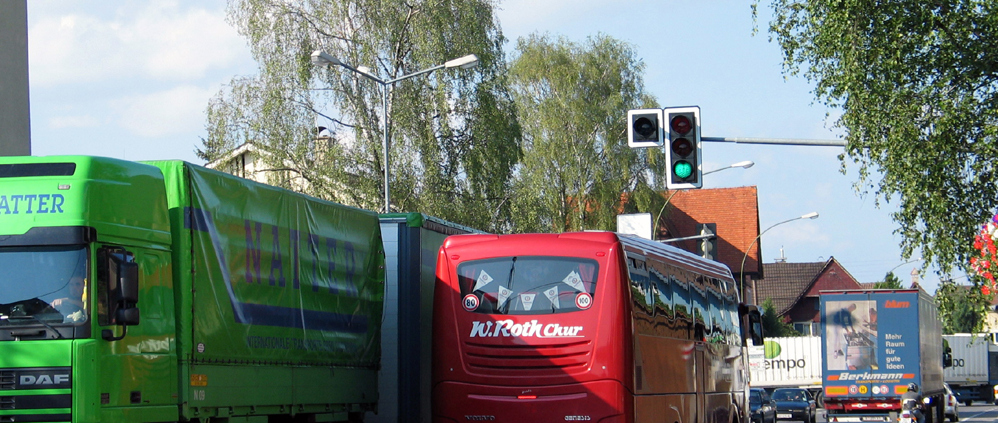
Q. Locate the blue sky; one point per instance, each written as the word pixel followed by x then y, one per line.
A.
pixel 131 79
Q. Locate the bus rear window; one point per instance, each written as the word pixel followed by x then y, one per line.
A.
pixel 527 285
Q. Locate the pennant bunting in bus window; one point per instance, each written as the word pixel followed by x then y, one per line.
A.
pixel 483 279
pixel 552 295
pixel 504 294
pixel 527 300
pixel 575 281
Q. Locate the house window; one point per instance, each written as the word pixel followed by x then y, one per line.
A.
pixel 806 328
pixel 236 166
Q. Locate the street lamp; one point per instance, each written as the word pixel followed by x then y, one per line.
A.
pixel 741 273
pixel 745 165
pixel 323 59
pixel 902 264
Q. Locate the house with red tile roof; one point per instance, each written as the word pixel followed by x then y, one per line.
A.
pixel 794 289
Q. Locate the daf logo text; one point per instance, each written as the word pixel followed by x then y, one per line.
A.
pixel 43 379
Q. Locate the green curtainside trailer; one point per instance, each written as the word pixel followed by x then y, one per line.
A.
pixel 164 291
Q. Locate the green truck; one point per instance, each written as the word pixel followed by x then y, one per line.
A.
pixel 164 292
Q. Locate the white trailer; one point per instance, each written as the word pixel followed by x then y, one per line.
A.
pixel 970 376
pixel 790 362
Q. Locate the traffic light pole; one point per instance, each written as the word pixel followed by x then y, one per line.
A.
pixel 776 141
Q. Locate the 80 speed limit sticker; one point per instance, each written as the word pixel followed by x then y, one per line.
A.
pixel 583 301
pixel 470 302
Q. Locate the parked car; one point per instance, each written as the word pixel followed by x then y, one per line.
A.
pixel 762 407
pixel 795 404
pixel 952 409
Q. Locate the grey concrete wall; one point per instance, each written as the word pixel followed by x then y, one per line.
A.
pixel 15 118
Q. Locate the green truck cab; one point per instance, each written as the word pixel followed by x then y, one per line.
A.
pixel 164 291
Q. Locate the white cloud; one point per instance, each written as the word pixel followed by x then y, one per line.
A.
pixel 161 41
pixel 797 237
pixel 64 122
pixel 188 45
pixel 544 15
pixel 174 111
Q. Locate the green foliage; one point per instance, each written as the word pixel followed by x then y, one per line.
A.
pixel 962 309
pixel 454 134
pixel 576 164
pixel 890 282
pixel 772 325
pixel 916 83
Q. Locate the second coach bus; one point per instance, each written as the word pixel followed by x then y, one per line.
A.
pixel 586 326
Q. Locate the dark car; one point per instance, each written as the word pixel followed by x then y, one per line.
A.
pixel 762 407
pixel 794 404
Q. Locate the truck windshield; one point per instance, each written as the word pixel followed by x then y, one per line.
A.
pixel 46 285
pixel 527 285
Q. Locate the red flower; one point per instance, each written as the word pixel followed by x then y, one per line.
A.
pixel 989 258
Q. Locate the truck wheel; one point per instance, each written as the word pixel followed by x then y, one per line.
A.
pixel 967 403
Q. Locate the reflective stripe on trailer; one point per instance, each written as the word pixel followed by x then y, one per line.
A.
pixel 854 418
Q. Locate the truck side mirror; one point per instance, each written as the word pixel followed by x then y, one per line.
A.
pixel 129 281
pixel 120 277
pixel 128 316
pixel 947 355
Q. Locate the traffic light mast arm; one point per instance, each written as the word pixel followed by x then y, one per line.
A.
pixel 777 141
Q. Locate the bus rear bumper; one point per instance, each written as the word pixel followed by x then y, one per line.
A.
pixel 584 402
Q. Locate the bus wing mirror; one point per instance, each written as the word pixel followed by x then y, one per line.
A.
pixel 751 324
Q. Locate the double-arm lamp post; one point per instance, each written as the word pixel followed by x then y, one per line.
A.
pixel 741 273
pixel 321 58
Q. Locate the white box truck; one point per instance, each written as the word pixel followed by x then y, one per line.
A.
pixel 790 362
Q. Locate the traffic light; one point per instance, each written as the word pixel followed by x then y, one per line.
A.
pixel 683 127
pixel 644 128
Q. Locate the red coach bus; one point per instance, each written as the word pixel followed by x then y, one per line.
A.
pixel 586 326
